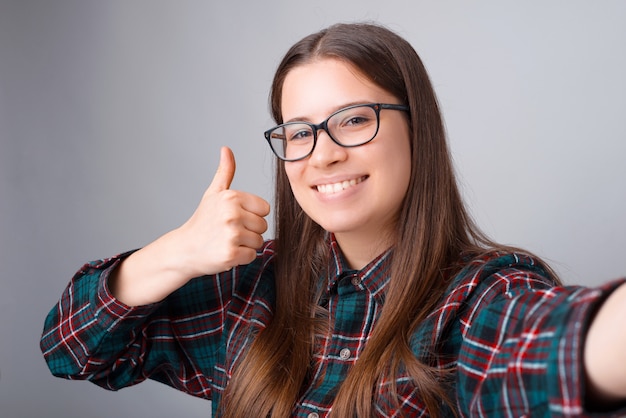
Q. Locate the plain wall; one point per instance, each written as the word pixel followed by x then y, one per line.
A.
pixel 112 114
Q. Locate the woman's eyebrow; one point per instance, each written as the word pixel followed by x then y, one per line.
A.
pixel 335 109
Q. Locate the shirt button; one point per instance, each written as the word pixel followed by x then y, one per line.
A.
pixel 313 415
pixel 344 354
pixel 356 280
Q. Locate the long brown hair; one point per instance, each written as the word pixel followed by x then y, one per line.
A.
pixel 434 229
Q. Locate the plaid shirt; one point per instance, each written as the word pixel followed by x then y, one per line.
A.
pixel 514 339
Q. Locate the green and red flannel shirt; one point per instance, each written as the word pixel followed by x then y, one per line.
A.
pixel 514 338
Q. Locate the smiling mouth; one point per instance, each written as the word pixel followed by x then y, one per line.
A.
pixel 339 186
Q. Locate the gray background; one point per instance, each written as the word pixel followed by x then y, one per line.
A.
pixel 112 114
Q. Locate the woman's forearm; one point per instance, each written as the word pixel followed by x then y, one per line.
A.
pixel 605 351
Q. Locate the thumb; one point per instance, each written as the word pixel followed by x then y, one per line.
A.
pixel 225 171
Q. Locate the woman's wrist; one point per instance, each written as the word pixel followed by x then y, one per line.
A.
pixel 150 274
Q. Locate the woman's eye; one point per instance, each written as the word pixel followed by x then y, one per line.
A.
pixel 355 120
pixel 300 135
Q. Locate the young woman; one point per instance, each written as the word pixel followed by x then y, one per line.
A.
pixel 378 295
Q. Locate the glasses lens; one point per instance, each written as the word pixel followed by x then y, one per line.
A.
pixel 354 126
pixel 292 141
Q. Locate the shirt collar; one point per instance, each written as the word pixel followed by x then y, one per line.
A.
pixel 374 277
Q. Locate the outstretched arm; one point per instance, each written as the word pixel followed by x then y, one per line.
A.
pixel 527 341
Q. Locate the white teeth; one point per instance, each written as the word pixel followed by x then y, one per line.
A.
pixel 337 187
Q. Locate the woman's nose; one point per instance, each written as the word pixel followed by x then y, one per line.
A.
pixel 327 151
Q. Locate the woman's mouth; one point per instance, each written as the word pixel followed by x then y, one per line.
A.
pixel 339 186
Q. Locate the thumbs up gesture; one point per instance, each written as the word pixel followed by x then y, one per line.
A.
pixel 224 231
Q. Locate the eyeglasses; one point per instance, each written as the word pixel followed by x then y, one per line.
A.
pixel 349 127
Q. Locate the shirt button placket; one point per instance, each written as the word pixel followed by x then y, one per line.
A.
pixel 356 280
pixel 345 354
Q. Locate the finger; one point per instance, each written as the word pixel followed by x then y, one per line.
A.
pixel 225 171
pixel 250 240
pixel 245 255
pixel 254 223
pixel 255 204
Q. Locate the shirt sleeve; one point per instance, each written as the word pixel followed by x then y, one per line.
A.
pixel 522 346
pixel 91 335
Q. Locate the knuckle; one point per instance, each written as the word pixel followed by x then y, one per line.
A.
pixel 236 235
pixel 231 217
pixel 229 195
pixel 230 256
pixel 249 255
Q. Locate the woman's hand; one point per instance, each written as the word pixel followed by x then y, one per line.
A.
pixel 225 231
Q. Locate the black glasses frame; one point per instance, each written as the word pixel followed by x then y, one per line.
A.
pixel 324 126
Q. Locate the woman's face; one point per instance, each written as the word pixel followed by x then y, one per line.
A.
pixel 357 192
